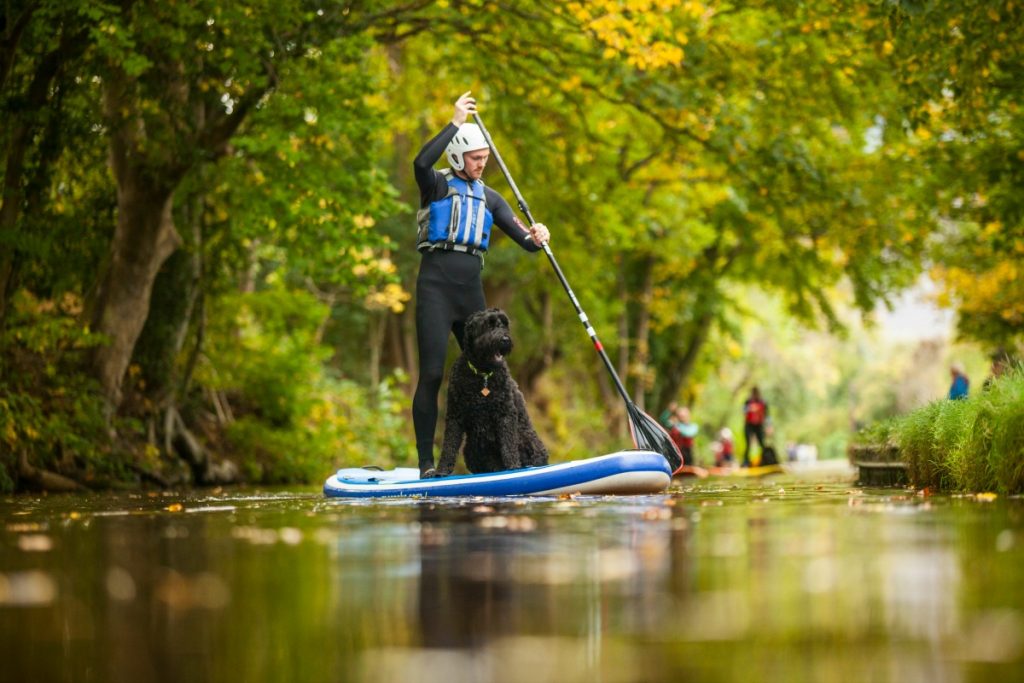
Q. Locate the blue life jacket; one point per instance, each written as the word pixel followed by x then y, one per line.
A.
pixel 460 218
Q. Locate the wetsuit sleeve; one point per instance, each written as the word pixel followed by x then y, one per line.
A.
pixel 432 183
pixel 506 219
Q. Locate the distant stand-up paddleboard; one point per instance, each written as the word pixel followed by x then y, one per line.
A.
pixel 622 473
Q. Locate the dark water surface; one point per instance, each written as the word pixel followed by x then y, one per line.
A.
pixel 789 578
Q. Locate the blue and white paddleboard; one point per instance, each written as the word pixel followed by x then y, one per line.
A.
pixel 622 473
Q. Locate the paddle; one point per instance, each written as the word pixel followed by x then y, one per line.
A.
pixel 647 433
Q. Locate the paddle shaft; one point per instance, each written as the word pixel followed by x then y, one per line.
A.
pixel 524 207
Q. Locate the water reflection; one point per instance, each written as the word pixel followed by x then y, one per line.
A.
pixel 501 591
pixel 780 580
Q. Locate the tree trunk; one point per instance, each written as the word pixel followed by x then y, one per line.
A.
pixel 143 239
pixel 643 328
pixel 622 366
pixel 394 356
pixel 163 335
pixel 681 364
pixel 409 345
pixel 377 326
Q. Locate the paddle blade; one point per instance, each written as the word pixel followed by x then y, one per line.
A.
pixel 651 436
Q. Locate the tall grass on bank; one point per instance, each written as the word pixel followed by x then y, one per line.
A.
pixel 976 444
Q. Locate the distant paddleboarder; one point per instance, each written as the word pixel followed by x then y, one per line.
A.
pixel 755 414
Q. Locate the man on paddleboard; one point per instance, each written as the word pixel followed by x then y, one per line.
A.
pixel 455 218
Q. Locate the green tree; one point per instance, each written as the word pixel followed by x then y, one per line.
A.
pixel 959 67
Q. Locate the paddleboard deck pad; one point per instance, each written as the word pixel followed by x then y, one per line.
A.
pixel 622 473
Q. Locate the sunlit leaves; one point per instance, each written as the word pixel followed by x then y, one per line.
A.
pixel 643 31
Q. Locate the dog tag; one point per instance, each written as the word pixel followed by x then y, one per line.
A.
pixel 485 391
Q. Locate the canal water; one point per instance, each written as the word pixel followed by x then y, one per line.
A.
pixel 786 578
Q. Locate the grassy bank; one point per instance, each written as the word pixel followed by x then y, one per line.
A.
pixel 975 444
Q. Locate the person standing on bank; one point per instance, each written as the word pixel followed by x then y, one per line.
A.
pixel 455 218
pixel 959 385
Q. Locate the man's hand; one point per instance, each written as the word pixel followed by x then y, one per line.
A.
pixel 464 106
pixel 539 234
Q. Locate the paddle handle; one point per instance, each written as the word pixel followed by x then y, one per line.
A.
pixel 524 207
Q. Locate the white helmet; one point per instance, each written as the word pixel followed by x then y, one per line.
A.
pixel 469 138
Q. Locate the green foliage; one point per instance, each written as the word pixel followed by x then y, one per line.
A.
pixel 50 412
pixel 1004 400
pixel 974 444
pixel 960 108
pixel 295 421
pixel 262 348
pixel 877 433
pixel 303 187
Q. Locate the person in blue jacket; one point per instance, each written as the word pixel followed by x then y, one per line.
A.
pixel 456 215
pixel 961 385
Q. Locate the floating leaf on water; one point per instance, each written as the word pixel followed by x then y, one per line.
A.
pixel 986 497
pixel 175 507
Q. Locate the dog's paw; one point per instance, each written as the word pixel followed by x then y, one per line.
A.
pixel 429 473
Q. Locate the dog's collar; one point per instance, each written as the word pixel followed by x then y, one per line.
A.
pixel 486 375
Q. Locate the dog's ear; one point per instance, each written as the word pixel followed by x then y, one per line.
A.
pixel 470 329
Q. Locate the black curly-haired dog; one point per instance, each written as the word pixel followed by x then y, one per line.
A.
pixel 485 405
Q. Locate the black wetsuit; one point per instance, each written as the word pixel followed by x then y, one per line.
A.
pixel 448 290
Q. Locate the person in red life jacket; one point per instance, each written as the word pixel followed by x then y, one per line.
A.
pixel 723 448
pixel 683 431
pixel 755 413
pixel 457 212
